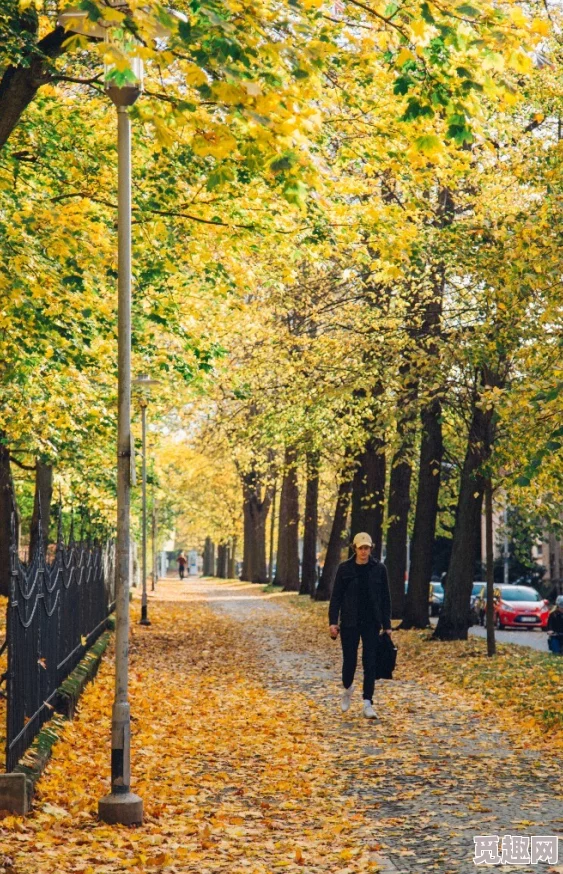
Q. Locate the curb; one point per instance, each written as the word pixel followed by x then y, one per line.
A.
pixel 17 788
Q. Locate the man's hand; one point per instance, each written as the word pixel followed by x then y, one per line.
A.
pixel 388 631
pixel 334 631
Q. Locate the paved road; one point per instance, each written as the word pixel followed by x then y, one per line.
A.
pixel 533 638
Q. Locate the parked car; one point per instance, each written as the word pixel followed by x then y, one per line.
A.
pixel 436 598
pixel 517 607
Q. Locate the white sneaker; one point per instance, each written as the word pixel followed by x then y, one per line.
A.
pixel 369 712
pixel 346 698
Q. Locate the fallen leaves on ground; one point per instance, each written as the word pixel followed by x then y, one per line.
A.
pixel 245 763
pixel 230 776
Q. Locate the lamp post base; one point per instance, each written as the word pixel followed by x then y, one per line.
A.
pixel 126 809
pixel 145 621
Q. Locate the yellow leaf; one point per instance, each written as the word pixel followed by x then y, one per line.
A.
pixel 540 26
pixel 217 142
pixel 418 27
pixel 404 56
pixel 520 61
pixel 194 76
pixel 430 145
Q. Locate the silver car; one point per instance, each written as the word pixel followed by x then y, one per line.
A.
pixel 436 598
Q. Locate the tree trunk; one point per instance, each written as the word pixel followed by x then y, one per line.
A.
pixel 337 540
pixel 426 513
pixel 19 85
pixel 212 564
pixel 397 532
pixel 232 559
pixel 310 535
pixel 206 569
pixel 255 510
pixel 287 564
pixel 454 618
pixel 222 561
pixel 43 497
pixel 368 493
pixel 7 511
pixel 272 534
pixel 431 447
pixel 491 644
pixel 399 501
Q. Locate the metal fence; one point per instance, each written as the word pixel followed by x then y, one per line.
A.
pixel 56 610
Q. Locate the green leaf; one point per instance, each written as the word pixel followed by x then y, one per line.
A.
pixel 88 6
pixel 402 85
pixel 467 11
pixel 426 14
pixel 415 109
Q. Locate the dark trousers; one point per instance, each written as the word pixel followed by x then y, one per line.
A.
pixel 350 639
pixel 181 571
pixel 555 644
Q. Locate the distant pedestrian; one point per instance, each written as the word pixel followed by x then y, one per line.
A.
pixel 555 628
pixel 182 562
pixel 359 608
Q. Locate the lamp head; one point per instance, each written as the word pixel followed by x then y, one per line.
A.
pixel 124 86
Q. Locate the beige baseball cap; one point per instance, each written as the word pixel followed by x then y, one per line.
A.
pixel 362 539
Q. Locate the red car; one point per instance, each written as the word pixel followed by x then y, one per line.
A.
pixel 519 607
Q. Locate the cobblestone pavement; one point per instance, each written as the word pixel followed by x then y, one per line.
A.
pixel 432 773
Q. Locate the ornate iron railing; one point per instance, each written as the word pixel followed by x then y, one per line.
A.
pixel 56 611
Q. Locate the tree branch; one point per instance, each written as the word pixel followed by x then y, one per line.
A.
pixel 78 81
pixel 19 85
pixel 21 464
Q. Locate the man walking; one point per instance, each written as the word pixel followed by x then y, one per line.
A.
pixel 361 601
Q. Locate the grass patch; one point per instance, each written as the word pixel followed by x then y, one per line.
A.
pixel 271 587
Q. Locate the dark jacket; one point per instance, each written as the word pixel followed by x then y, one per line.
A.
pixel 344 600
pixel 555 622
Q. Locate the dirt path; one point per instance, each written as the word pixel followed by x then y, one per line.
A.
pixel 246 764
pixel 447 777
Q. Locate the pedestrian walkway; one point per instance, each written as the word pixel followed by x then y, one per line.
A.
pixel 246 764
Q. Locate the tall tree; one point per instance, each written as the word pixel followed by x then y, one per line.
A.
pixel 41 518
pixel 7 514
pixel 287 561
pixel 311 526
pixel 426 511
pixel 256 503
pixel 368 492
pixel 453 621
pixel 338 537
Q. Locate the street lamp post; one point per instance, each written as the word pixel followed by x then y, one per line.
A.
pixel 145 383
pixel 154 555
pixel 121 805
pixel 144 603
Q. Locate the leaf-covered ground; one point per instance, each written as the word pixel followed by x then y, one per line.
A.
pixel 246 764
